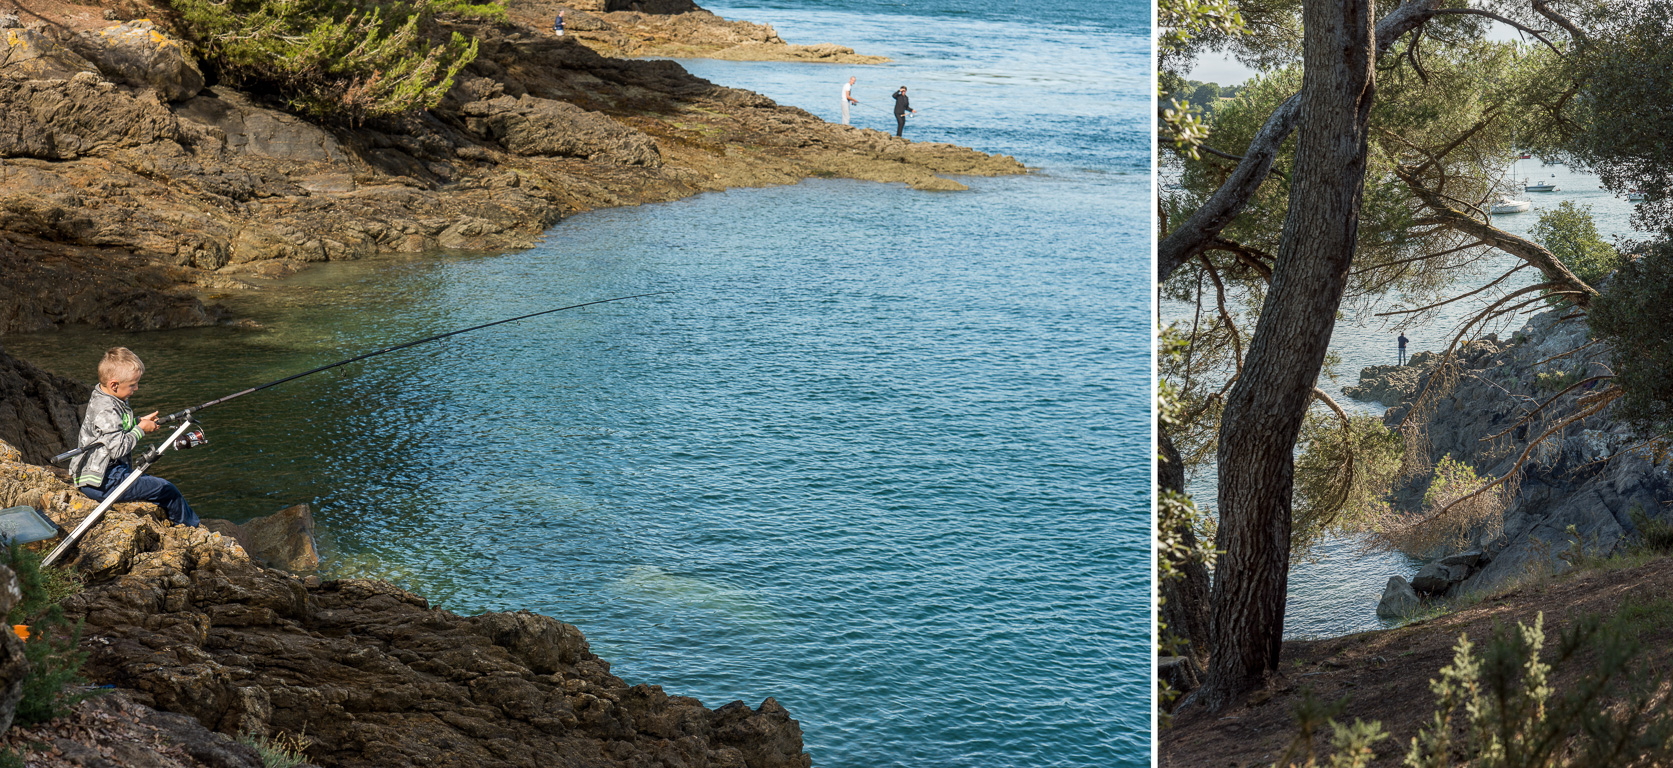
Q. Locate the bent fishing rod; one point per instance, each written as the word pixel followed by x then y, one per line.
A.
pixel 187 413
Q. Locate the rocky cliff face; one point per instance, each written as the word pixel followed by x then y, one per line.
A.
pixel 39 411
pixel 184 621
pixel 1588 475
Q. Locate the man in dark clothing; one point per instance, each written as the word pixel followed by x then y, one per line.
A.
pixel 1402 349
pixel 902 106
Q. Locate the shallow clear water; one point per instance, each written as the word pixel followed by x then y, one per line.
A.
pixel 883 456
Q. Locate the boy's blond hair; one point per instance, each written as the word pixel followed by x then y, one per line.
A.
pixel 120 364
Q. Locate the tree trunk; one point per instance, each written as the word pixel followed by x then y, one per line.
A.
pixel 1184 598
pixel 1264 409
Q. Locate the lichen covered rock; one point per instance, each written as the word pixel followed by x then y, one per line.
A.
pixel 140 54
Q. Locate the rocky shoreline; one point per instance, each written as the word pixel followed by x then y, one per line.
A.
pixel 184 620
pixel 128 190
pixel 133 191
pixel 1575 496
pixel 676 29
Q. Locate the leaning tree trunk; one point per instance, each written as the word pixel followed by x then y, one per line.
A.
pixel 1264 409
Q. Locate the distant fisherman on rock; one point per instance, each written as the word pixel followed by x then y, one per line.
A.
pixel 557 25
pixel 902 106
pixel 111 421
pixel 1403 349
pixel 847 98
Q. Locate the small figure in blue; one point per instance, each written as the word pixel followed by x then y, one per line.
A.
pixel 111 421
pixel 557 25
pixel 1403 349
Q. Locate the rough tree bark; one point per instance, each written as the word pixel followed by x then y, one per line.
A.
pixel 1264 409
pixel 1185 598
pixel 1196 233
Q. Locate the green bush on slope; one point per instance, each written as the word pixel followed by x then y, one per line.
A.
pixel 331 59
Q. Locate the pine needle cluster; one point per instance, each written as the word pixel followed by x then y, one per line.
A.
pixel 334 60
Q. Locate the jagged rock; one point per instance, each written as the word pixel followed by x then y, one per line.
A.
pixel 137 53
pixel 111 729
pixel 1436 578
pixel 1398 600
pixel 188 623
pixel 283 540
pixel 65 120
pixel 39 411
pixel 533 126
pixel 246 127
pixel 1467 559
pixel 32 55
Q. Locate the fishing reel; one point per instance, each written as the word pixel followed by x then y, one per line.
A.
pixel 191 439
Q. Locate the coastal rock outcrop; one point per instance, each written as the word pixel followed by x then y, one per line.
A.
pixel 542 127
pixel 185 621
pixel 1578 490
pixel 117 203
pixel 1391 384
pixel 138 53
pixel 39 410
pixel 1398 600
pixel 32 53
pixel 676 29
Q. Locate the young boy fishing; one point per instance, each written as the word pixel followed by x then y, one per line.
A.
pixel 111 421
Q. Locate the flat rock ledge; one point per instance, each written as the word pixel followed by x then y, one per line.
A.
pixel 185 621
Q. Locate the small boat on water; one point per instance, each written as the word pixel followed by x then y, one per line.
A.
pixel 1507 205
pixel 1636 196
pixel 1544 186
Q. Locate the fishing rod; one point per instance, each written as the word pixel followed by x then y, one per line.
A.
pixel 186 414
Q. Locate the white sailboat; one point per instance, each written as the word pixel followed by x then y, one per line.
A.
pixel 1507 205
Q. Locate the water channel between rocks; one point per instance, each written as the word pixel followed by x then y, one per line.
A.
pixel 883 456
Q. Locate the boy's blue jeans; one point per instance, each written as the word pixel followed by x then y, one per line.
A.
pixel 153 489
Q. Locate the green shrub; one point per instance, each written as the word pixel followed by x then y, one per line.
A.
pixel 1632 316
pixel 1655 535
pixel 1501 709
pixel 1570 234
pixel 279 751
pixel 334 59
pixel 1555 381
pixel 52 650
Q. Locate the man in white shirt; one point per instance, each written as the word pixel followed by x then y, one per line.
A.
pixel 847 98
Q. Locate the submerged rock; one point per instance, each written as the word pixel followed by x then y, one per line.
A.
pixel 283 540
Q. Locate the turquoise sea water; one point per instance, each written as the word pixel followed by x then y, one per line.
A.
pixel 883 456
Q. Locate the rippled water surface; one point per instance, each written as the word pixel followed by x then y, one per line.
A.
pixel 882 456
